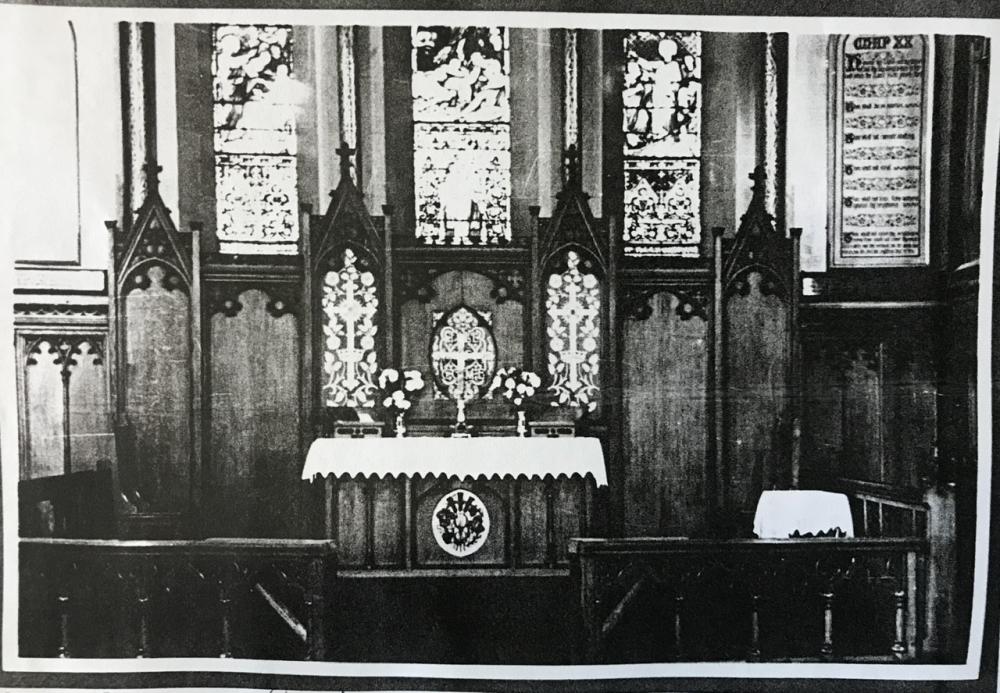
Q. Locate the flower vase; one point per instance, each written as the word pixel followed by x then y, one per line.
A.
pixel 400 426
pixel 522 423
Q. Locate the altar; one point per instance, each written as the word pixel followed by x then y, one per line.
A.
pixel 489 505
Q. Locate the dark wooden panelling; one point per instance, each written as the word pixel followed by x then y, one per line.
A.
pixel 568 515
pixel 352 521
pixel 449 290
pixel 158 389
pixel 387 526
pixel 255 463
pixel 909 394
pixel 862 443
pixel 756 363
pixel 531 504
pixel 664 367
pixel 823 413
pixel 871 397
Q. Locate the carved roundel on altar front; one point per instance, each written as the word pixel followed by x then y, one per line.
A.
pixel 460 523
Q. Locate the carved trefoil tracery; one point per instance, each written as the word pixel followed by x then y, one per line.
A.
pixel 758 249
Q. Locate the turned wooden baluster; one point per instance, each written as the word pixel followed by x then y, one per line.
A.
pixel 754 652
pixel 827 649
pixel 63 601
pixel 142 607
pixel 678 607
pixel 899 644
pixel 315 638
pixel 225 609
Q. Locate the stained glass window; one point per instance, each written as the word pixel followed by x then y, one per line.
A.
pixel 661 121
pixel 350 364
pixel 255 144
pixel 461 135
pixel 463 353
pixel 572 311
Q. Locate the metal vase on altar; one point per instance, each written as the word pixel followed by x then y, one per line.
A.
pixel 522 423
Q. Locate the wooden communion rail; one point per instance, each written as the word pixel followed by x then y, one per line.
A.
pixel 209 597
pixel 656 599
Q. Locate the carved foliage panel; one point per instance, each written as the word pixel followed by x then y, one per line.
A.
pixel 573 334
pixel 350 305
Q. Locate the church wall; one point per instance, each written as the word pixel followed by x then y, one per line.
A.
pixel 871 385
pixel 195 146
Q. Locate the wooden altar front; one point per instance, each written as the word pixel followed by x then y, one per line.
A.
pixel 467 507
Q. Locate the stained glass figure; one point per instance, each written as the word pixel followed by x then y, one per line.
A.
pixel 350 363
pixel 572 310
pixel 255 142
pixel 463 353
pixel 661 102
pixel 461 135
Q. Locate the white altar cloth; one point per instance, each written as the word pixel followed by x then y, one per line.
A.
pixel 782 513
pixel 484 456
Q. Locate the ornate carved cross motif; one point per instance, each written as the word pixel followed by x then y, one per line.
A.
pixel 463 353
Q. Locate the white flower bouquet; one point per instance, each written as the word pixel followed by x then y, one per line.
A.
pixel 397 388
pixel 515 385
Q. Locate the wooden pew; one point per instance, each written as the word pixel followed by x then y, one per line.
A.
pixel 131 598
pixel 752 599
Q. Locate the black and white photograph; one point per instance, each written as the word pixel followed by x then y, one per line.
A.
pixel 497 350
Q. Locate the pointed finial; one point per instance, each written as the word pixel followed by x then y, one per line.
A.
pixel 759 178
pixel 152 171
pixel 345 152
pixel 571 165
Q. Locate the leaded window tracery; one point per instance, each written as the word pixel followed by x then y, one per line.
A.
pixel 572 310
pixel 254 98
pixel 461 134
pixel 350 361
pixel 463 353
pixel 662 143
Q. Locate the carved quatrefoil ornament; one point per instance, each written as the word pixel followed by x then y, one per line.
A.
pixel 461 523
